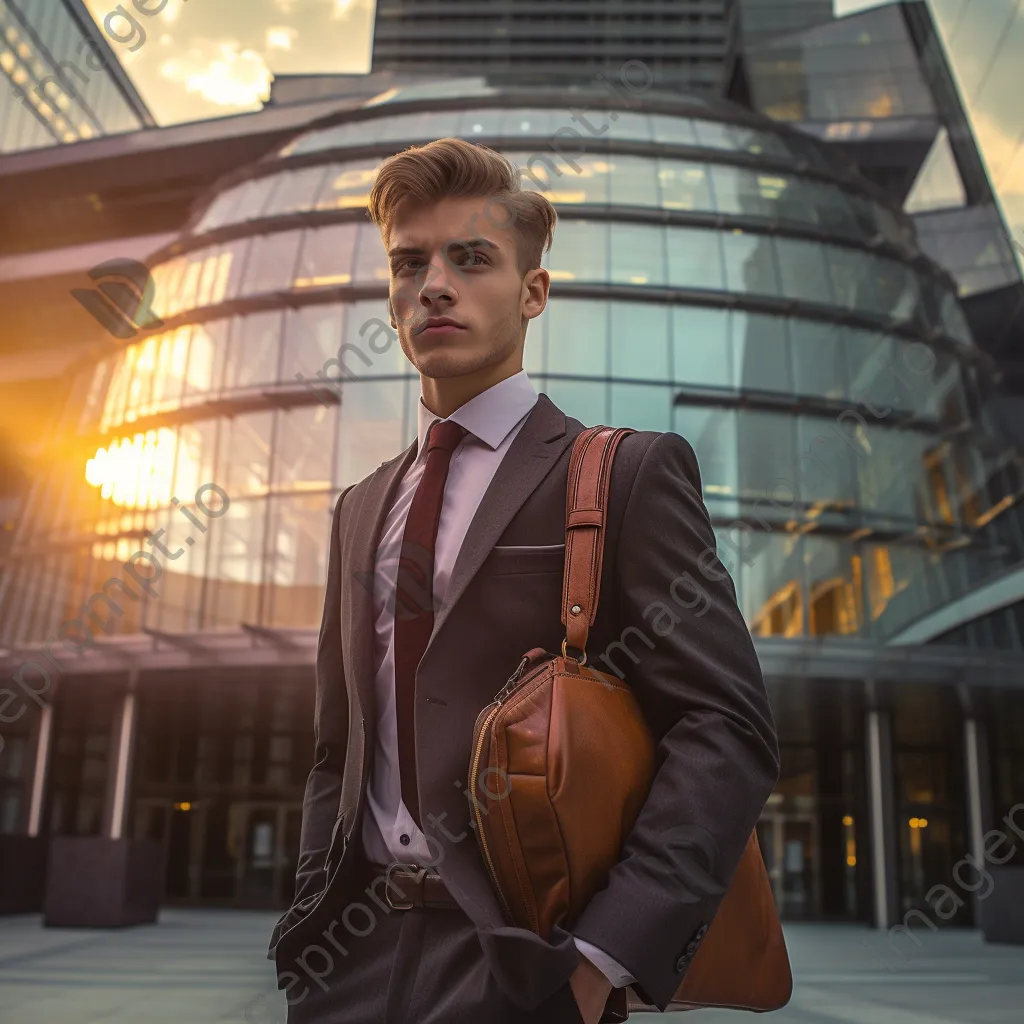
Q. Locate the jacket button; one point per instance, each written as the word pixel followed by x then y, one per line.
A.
pixel 681 963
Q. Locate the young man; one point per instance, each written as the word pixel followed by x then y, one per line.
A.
pixel 445 566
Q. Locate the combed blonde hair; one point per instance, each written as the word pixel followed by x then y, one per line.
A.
pixel 456 168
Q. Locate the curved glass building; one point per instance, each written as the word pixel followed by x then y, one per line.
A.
pixel 714 274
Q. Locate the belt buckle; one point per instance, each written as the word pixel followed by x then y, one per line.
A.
pixel 415 875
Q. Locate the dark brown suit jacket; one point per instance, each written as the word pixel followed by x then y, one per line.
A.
pixel 694 672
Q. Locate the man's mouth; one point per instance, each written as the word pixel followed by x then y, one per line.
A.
pixel 440 325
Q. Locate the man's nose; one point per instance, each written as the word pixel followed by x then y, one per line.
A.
pixel 437 281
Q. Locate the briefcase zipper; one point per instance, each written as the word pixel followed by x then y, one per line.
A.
pixel 473 774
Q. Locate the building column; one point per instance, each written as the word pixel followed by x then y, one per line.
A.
pixel 881 793
pixel 119 778
pixel 979 796
pixel 40 769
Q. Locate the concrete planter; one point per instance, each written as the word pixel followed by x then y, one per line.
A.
pixel 1002 912
pixel 22 874
pixel 103 883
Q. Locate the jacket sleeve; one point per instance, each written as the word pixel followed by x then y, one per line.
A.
pixel 694 670
pixel 330 729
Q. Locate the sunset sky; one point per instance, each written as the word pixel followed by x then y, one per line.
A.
pixel 208 58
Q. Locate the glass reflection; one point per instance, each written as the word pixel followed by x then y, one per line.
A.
pixel 638 254
pixel 304 448
pixel 271 264
pixel 254 350
pixel 348 185
pixel 297 559
pixel 579 252
pixel 295 191
pixel 695 259
pixel 701 346
pixel 326 257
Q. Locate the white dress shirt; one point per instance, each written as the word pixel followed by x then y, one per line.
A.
pixel 492 420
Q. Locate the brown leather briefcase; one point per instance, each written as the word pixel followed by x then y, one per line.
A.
pixel 576 760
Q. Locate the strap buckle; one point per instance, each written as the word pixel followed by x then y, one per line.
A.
pixel 414 873
pixel 582 659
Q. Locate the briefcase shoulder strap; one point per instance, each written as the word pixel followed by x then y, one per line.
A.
pixel 586 506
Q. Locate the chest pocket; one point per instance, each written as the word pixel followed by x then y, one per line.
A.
pixel 520 559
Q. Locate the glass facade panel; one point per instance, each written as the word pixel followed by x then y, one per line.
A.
pixel 828 474
pixel 207 355
pixel 701 351
pixel 803 269
pixel 750 263
pixel 695 259
pixel 677 131
pixel 295 191
pixel 271 265
pixel 640 349
pixel 587 400
pixel 641 406
pixel 253 198
pixel 712 434
pixel 818 354
pixel 369 427
pixel 833 578
pixel 347 185
pixel 740 191
pixel 630 125
pixel 590 184
pixel 766 440
pixel 633 180
pixel 684 185
pixel 769 573
pixel 298 529
pixel 531 122
pixel 577 338
pixel 579 252
pixel 638 254
pixel 254 350
pixel 371 263
pixel 60 88
pixel 243 463
pixel 235 569
pixel 312 335
pixel 303 448
pixel 760 353
pixel 326 257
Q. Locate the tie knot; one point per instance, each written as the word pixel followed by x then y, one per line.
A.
pixel 446 435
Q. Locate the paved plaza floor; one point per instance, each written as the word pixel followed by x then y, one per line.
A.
pixel 205 966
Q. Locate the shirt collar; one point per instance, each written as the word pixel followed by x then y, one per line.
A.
pixel 488 416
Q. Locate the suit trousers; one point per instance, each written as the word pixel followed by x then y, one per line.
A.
pixel 419 966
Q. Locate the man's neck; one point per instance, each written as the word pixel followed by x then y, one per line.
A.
pixel 443 395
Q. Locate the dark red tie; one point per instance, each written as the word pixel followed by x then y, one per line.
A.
pixel 414 596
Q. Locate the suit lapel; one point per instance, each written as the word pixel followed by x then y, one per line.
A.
pixel 359 560
pixel 533 452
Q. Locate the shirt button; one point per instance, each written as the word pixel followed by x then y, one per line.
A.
pixel 403 839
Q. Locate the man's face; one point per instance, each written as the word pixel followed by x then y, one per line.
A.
pixel 456 260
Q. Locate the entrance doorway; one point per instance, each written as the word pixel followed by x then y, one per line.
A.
pixel 240 853
pixel 790 848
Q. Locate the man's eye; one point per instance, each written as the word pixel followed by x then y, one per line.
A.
pixel 405 264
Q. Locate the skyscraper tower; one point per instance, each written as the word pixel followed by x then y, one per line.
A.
pixel 685 43
pixel 60 79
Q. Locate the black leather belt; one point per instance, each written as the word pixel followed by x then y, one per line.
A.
pixel 409 886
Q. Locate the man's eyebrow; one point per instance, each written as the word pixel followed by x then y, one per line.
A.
pixel 468 243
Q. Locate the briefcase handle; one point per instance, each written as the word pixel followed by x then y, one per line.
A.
pixel 586 506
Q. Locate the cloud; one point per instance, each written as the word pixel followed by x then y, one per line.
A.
pixel 344 8
pixel 228 77
pixel 281 37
